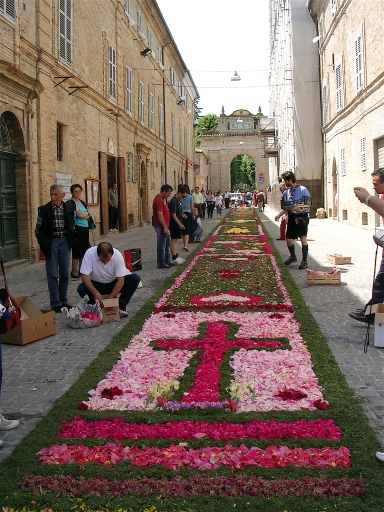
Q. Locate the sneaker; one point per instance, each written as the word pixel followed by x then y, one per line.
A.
pixel 290 260
pixel 380 456
pixel 361 317
pixel 123 314
pixel 185 248
pixel 111 230
pixel 57 309
pixel 8 424
pixel 178 261
pixel 303 264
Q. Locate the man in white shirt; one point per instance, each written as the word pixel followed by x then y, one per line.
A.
pixel 103 272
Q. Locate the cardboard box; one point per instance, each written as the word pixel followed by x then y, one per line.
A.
pixel 323 278
pixel 339 259
pixel 110 310
pixel 379 326
pixel 35 324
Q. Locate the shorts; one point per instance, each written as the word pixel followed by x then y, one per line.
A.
pixel 175 231
pixel 295 230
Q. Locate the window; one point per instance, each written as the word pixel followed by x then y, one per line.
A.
pixel 127 6
pixel 8 9
pixel 359 63
pixel 65 31
pixel 329 174
pixel 339 88
pixel 112 71
pixel 142 102
pixel 181 139
pixel 342 162
pixel 321 30
pixel 135 168
pixel 325 104
pixel 128 86
pixel 173 77
pixel 140 26
pixel 151 112
pixel 363 161
pixel 186 143
pixel 161 121
pixel 160 57
pixel 92 197
pixel 380 152
pixel 149 38
pixel 333 7
pixel 173 133
pixel 129 166
pixel 59 142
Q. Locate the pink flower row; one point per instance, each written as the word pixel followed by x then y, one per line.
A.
pixel 176 456
pixel 118 429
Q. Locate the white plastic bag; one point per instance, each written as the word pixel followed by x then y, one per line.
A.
pixel 74 318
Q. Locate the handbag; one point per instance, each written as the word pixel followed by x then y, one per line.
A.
pixel 12 314
pixel 91 222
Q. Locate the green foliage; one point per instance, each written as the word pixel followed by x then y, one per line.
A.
pixel 243 173
pixel 208 123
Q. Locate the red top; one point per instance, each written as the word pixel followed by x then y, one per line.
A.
pixel 160 205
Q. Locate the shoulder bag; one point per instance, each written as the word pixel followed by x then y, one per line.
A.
pixel 12 314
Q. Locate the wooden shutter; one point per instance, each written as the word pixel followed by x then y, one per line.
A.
pixel 65 31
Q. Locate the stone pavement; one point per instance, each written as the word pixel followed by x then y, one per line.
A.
pixel 36 375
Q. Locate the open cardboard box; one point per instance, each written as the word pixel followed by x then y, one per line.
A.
pixel 379 324
pixel 110 310
pixel 34 325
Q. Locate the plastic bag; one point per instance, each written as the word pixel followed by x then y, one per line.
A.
pixel 83 315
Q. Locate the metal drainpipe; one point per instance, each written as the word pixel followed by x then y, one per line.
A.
pixel 164 115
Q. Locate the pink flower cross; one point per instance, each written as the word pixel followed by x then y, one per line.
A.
pixel 206 382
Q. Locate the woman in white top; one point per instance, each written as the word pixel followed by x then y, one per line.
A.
pixel 219 204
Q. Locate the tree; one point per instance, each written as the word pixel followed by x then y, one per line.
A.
pixel 243 173
pixel 208 123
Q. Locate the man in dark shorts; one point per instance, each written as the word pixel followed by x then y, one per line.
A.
pixel 176 224
pixel 296 201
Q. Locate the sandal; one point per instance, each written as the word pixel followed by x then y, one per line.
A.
pixel 185 248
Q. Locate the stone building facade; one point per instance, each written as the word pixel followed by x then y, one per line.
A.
pixel 352 84
pixel 295 98
pixel 91 92
pixel 236 134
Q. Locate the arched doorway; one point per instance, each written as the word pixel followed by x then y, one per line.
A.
pixel 243 173
pixel 9 125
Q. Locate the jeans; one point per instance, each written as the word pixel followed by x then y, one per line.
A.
pixel 113 217
pixel 197 234
pixel 378 286
pixel 163 247
pixel 131 282
pixel 57 268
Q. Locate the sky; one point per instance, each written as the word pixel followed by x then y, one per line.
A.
pixel 216 38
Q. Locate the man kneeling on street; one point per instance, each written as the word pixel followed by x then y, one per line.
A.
pixel 103 272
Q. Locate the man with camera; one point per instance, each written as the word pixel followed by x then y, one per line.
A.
pixel 296 201
pixel 378 205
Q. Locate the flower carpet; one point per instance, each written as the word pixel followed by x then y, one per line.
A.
pixel 225 396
